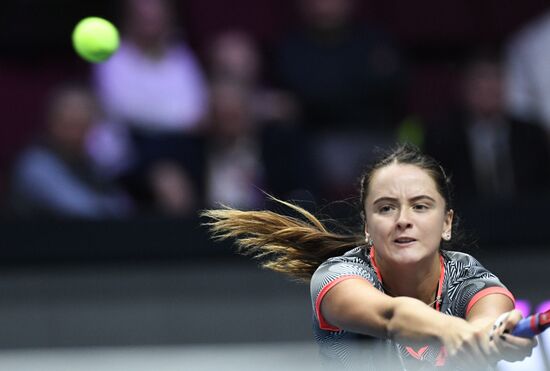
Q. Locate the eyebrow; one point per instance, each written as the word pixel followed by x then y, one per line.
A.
pixel 413 199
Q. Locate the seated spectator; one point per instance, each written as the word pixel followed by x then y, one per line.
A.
pixel 344 73
pixel 154 82
pixel 171 189
pixel 489 154
pixel 233 56
pixel 235 170
pixel 153 90
pixel 527 73
pixel 348 78
pixel 54 176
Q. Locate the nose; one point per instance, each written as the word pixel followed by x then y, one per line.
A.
pixel 403 220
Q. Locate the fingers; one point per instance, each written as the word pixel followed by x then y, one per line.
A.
pixel 473 350
pixel 511 319
pixel 518 342
pixel 512 353
pixel 473 353
pixel 507 346
pixel 513 348
pixel 499 325
pixel 472 357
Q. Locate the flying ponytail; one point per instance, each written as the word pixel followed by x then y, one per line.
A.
pixel 285 244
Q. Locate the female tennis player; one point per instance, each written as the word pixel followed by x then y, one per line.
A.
pixel 397 297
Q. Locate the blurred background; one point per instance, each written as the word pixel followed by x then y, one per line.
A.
pixel 104 168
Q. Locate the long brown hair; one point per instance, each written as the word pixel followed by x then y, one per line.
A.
pixel 297 246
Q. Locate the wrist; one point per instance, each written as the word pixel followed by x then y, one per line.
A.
pixel 442 324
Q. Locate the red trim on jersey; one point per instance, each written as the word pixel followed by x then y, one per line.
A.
pixel 417 354
pixel 324 325
pixel 438 298
pixel 441 357
pixel 373 261
pixel 488 291
pixel 439 361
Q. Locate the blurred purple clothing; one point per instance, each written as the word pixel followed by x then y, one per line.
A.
pixel 166 94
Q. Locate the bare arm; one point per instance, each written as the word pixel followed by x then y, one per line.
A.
pixel 484 313
pixel 355 305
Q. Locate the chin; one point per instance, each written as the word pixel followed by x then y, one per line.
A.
pixel 408 256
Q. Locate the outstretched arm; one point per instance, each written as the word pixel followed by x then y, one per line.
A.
pixel 355 305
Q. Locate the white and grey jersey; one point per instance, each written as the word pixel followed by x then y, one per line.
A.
pixel 465 281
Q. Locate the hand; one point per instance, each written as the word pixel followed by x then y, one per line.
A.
pixel 467 345
pixel 503 345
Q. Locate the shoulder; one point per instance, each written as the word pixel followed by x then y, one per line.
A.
pixel 182 50
pixel 349 262
pixel 467 281
pixel 459 257
pixel 462 266
pixel 37 165
pixel 351 265
pixel 531 35
pixel 356 254
pixel 36 158
pixel 354 263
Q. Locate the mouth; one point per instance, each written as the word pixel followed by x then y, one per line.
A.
pixel 404 241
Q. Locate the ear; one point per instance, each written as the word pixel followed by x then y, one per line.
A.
pixel 366 231
pixel 448 223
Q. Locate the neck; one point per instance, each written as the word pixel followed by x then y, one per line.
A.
pixel 420 280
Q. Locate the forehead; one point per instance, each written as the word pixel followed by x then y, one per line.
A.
pixel 398 180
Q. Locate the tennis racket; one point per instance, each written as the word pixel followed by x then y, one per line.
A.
pixel 533 325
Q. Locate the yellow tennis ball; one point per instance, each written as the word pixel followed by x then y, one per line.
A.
pixel 95 39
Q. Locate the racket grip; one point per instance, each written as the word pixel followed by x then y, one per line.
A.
pixel 528 327
pixel 533 325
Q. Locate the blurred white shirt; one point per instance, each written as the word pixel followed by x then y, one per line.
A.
pixel 528 72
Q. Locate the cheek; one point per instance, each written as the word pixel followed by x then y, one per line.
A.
pixel 434 228
pixel 379 227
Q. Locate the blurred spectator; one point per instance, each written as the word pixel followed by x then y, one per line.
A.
pixel 348 77
pixel 233 56
pixel 154 89
pixel 154 82
pixel 171 189
pixel 489 154
pixel 344 73
pixel 527 72
pixel 235 170
pixel 54 175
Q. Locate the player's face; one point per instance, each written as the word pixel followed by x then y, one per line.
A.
pixel 406 215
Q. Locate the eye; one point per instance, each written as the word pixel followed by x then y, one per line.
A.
pixel 421 207
pixel 384 209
